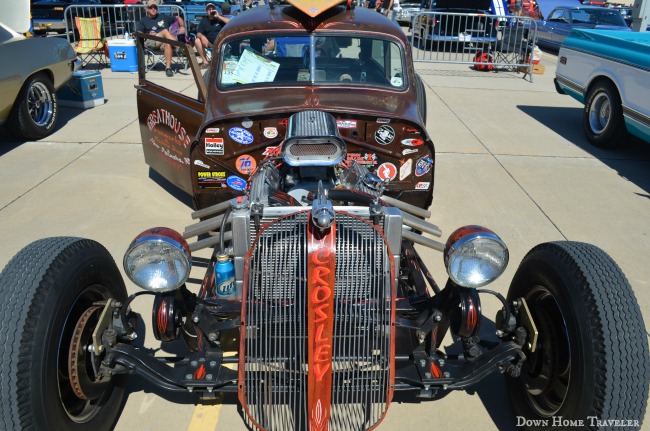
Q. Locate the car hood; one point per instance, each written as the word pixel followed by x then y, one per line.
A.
pixel 464 4
pixel 371 102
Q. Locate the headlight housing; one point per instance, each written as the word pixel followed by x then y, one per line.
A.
pixel 158 260
pixel 475 256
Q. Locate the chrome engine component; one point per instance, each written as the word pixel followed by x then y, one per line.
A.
pixel 313 139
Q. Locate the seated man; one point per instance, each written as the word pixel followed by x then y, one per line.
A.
pixel 209 28
pixel 158 25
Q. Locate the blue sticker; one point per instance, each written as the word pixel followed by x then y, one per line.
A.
pixel 236 183
pixel 423 166
pixel 240 135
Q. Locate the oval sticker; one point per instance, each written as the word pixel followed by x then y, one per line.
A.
pixel 412 142
pixel 240 135
pixel 236 183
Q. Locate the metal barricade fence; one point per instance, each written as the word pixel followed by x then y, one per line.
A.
pixel 117 20
pixel 494 42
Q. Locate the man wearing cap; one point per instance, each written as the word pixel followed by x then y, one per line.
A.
pixel 158 25
pixel 209 28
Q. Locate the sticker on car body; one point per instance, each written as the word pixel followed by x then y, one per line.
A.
pixel 236 183
pixel 270 132
pixel 214 146
pixel 423 166
pixel 406 169
pixel 412 142
pixel 241 136
pixel 386 171
pixel 201 163
pixel 245 164
pixel 346 124
pixel 422 185
pixel 409 151
pixel 384 135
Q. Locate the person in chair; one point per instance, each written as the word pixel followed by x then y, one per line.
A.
pixel 209 28
pixel 158 24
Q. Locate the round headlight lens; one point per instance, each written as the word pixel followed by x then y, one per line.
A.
pixel 158 260
pixel 475 256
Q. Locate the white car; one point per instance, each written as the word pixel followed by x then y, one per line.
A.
pixel 608 72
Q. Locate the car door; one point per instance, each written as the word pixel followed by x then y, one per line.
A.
pixel 169 120
pixel 546 30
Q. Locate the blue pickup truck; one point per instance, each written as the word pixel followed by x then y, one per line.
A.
pixel 609 72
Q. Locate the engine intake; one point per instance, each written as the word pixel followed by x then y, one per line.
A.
pixel 313 139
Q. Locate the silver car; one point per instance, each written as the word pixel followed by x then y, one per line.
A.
pixel 32 70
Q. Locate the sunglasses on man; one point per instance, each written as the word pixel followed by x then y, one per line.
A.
pixel 153 7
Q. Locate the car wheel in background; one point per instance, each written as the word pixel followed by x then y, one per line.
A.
pixel 34 113
pixel 603 116
pixel 591 355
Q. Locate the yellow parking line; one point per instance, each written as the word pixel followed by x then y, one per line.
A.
pixel 205 418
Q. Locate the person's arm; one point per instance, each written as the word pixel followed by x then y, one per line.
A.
pixel 222 18
pixel 181 25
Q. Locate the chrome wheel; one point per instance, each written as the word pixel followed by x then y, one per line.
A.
pixel 40 104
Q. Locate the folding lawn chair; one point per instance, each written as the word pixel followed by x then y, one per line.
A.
pixel 513 50
pixel 90 47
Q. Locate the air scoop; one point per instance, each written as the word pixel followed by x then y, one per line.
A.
pixel 313 139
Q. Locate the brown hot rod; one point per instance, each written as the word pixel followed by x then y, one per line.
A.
pixel 311 171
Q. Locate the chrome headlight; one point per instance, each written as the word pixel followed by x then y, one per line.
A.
pixel 158 260
pixel 475 256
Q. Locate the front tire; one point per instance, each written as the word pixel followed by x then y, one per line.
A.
pixel 592 354
pixel 602 120
pixel 48 291
pixel 35 110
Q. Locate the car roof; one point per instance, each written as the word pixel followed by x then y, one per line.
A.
pixel 546 6
pixel 289 18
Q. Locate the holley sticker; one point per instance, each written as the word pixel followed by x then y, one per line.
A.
pixel 241 136
pixel 214 146
pixel 423 166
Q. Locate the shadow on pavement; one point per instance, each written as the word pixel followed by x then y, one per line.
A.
pixel 631 159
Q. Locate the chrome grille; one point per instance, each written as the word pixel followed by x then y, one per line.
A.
pixel 275 357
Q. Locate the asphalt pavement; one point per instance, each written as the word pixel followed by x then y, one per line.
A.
pixel 510 155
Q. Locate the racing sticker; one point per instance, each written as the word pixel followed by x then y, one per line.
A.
pixel 412 142
pixel 236 183
pixel 412 130
pixel 241 136
pixel 346 124
pixel 383 120
pixel 384 135
pixel 212 130
pixel 423 166
pixel 201 163
pixel 270 132
pixel 214 146
pixel 272 152
pixel 386 171
pixel 422 185
pixel 409 151
pixel 211 179
pixel 406 169
pixel 362 158
pixel 245 164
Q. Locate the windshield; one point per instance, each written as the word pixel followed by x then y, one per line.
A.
pixel 600 16
pixel 305 60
